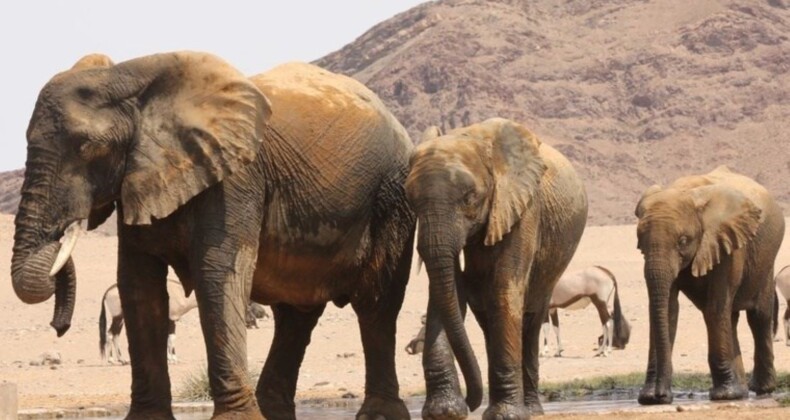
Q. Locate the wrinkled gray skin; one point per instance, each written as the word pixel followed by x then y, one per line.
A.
pixel 517 210
pixel 713 237
pixel 294 209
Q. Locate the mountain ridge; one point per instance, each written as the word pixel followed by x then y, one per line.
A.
pixel 633 92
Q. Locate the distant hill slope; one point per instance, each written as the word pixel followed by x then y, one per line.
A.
pixel 10 185
pixel 633 92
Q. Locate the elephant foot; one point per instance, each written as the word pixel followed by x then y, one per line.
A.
pixel 238 415
pixel 762 384
pixel 379 408
pixel 728 392
pixel 273 410
pixel 152 415
pixel 535 408
pixel 503 411
pixel 249 410
pixel 447 407
pixel 649 395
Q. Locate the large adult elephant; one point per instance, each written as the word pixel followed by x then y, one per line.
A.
pixel 713 237
pixel 286 187
pixel 516 210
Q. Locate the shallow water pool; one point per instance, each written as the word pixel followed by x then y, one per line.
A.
pixel 600 402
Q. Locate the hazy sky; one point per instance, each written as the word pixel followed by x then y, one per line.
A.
pixel 41 38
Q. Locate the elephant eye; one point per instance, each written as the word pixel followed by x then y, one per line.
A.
pixel 85 93
pixel 683 241
pixel 469 198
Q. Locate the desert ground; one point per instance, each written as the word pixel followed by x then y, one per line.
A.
pixel 333 365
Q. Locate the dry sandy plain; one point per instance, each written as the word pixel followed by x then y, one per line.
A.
pixel 333 364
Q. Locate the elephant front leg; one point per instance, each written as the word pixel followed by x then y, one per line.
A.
pixel 721 356
pixel 223 290
pixel 763 379
pixel 651 392
pixel 508 351
pixel 277 384
pixel 141 285
pixel 444 399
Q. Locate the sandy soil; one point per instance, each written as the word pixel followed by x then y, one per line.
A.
pixel 334 363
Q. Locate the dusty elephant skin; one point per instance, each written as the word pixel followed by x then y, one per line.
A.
pixel 286 187
pixel 513 210
pixel 713 237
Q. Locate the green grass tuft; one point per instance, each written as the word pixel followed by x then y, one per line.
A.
pixel 632 382
pixel 196 388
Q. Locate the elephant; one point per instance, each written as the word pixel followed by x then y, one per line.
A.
pixel 500 215
pixel 286 188
pixel 713 237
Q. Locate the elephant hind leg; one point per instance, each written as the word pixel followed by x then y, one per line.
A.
pixel 721 355
pixel 377 326
pixel 530 333
pixel 277 384
pixel 764 375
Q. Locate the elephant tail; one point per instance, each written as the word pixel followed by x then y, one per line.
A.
pixel 103 326
pixel 776 313
pixel 622 331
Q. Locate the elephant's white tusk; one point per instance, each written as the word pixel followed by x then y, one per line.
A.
pixel 461 259
pixel 68 242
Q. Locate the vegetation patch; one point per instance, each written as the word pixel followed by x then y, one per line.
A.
pixel 628 385
pixel 196 388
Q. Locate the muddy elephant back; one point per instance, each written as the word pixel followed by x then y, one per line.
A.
pixel 330 102
pixel 335 133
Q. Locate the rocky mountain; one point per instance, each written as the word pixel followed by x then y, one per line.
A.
pixel 634 92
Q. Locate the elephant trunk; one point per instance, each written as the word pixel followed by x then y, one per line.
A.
pixel 41 266
pixel 440 262
pixel 659 280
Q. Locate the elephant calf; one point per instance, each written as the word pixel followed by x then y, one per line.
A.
pixel 713 237
pixel 513 210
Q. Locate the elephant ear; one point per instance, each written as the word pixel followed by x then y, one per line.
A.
pixel 729 221
pixel 640 206
pixel 200 120
pixel 92 61
pixel 517 169
pixel 431 133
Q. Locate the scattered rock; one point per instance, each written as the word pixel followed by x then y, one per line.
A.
pixel 346 355
pixel 349 395
pixel 49 358
pixel 322 383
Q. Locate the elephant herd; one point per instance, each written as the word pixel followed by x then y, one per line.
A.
pixel 297 187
